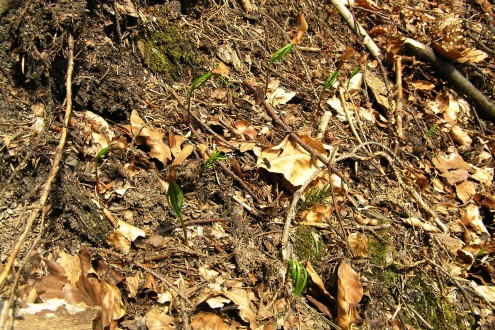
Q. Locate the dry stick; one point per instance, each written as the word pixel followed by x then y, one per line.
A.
pixel 53 171
pixel 398 102
pixel 357 29
pixel 291 213
pixel 348 115
pixel 296 138
pixel 185 317
pixel 481 103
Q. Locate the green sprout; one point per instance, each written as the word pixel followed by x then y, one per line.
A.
pixel 176 202
pixel 100 154
pixel 215 157
pixel 330 81
pixel 195 85
pixel 431 131
pixel 299 277
pixel 280 54
pixel 353 73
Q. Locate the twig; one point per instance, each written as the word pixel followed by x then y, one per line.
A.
pixel 54 170
pixel 185 317
pixel 348 116
pixel 358 29
pixel 480 102
pixel 398 102
pixel 291 213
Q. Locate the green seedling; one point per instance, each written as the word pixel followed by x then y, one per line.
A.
pixel 176 202
pixel 215 157
pixel 195 85
pixel 330 81
pixel 353 73
pixel 100 154
pixel 299 277
pixel 280 54
pixel 431 131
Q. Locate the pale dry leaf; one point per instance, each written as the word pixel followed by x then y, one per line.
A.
pixel 208 321
pixel 217 302
pixel 460 136
pixel 71 265
pixel 452 167
pixel 423 85
pixel 129 231
pixel 358 242
pixel 483 175
pixel 291 160
pixel 470 216
pixel 487 292
pixel 242 298
pixel 349 294
pixel 144 134
pixel 317 280
pixel 221 70
pixel 132 284
pixel 158 320
pixel 280 96
pixel 111 301
pixel 378 88
pixel 472 55
pixel 118 240
pixel 465 190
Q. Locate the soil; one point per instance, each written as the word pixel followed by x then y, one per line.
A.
pixel 138 59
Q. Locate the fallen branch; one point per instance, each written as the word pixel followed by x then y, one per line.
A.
pixel 481 103
pixel 357 29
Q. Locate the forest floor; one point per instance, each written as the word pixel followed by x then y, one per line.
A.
pixel 168 166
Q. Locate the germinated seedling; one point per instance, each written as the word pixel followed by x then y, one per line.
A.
pixel 176 202
pixel 299 276
pixel 195 85
pixel 100 154
pixel 215 157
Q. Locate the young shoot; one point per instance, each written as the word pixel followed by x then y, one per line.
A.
pixel 317 195
pixel 176 202
pixel 280 54
pixel 299 276
pixel 330 81
pixel 195 85
pixel 353 73
pixel 100 154
pixel 215 157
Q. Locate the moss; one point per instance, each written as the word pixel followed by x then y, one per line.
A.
pixel 308 244
pixel 379 250
pixel 167 50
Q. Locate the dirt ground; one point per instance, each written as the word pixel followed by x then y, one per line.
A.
pixel 265 195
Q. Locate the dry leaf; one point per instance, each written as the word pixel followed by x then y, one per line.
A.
pixel 317 280
pixel 221 70
pixel 470 216
pixel 358 242
pixel 460 137
pixel 349 294
pixel 208 321
pixel 158 320
pixel 452 167
pixel 303 27
pixel 242 299
pixel 465 190
pixel 144 134
pixel 291 160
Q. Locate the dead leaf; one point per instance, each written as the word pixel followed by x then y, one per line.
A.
pixel 318 281
pixel 221 70
pixel 358 242
pixel 158 320
pixel 452 167
pixel 208 321
pixel 465 190
pixel 349 294
pixel 144 134
pixel 291 160
pixel 302 28
pixel 460 136
pixel 470 216
pixel 415 222
pixel 242 298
